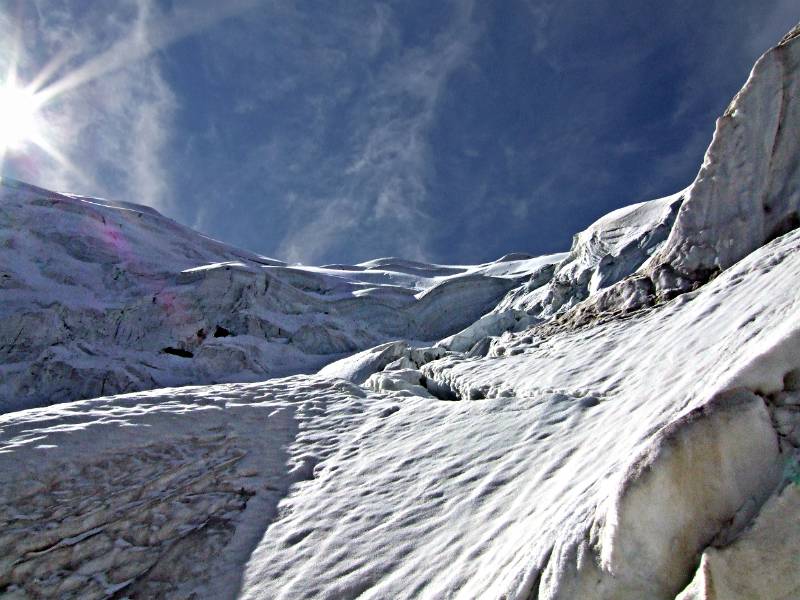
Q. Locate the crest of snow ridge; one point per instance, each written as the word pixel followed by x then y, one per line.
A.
pixel 746 193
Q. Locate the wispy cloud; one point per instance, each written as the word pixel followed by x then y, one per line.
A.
pixel 539 13
pixel 355 138
pixel 330 149
pixel 359 129
pixel 149 31
pixel 385 186
pixel 312 239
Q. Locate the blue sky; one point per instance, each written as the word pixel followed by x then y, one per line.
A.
pixel 319 132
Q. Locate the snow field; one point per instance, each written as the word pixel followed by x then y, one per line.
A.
pixel 578 476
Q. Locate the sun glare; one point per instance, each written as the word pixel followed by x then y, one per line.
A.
pixel 23 122
pixel 18 109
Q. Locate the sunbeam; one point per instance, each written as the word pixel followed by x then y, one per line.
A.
pixel 29 115
pixel 148 36
pixel 63 161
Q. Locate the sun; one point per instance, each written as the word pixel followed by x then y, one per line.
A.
pixel 18 117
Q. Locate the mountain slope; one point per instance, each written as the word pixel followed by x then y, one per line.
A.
pixel 101 298
pixel 589 473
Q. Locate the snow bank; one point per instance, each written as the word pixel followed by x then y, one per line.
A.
pixel 762 564
pixel 359 367
pixel 692 481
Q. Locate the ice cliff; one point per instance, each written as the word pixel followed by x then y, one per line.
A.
pixel 745 194
pixel 620 422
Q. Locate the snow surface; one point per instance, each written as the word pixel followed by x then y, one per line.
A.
pixel 388 495
pixel 619 423
pixel 740 572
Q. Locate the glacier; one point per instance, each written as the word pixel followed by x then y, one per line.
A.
pixel 101 298
pixel 617 422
